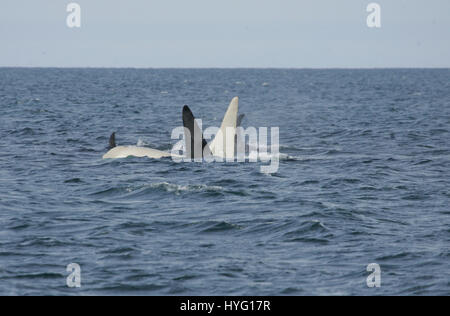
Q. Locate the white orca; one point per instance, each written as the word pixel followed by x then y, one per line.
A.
pixel 220 147
pixel 135 151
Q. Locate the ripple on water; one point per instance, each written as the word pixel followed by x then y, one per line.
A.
pixel 309 232
pixel 149 190
pixel 217 227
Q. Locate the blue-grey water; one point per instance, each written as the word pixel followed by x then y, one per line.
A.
pixel 366 180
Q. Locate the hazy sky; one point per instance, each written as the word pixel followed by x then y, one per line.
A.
pixel 225 33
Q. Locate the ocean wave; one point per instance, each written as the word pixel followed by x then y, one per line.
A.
pixel 143 190
pixel 309 231
pixel 292 230
pixel 215 227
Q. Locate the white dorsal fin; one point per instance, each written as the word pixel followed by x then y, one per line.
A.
pixel 221 146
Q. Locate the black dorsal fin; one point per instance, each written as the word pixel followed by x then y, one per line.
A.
pixel 196 135
pixel 112 140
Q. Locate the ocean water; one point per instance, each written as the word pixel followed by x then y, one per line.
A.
pixel 365 179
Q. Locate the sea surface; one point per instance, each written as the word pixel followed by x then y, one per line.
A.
pixel 364 178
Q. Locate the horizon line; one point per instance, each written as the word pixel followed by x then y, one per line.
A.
pixel 223 68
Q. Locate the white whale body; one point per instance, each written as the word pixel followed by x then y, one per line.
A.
pixel 220 146
pixel 135 151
